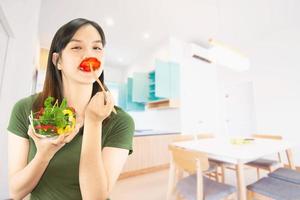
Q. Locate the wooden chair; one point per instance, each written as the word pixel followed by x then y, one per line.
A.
pixel 187 137
pixel 212 171
pixel 195 185
pixel 283 183
pixel 285 174
pixel 266 164
pixel 269 188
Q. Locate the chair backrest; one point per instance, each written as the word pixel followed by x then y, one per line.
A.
pixel 187 137
pixel 271 137
pixel 265 136
pixel 181 138
pixel 205 135
pixel 187 160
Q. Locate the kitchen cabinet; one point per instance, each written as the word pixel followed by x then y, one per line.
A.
pixel 167 79
pixel 140 87
pixel 162 83
pixel 126 97
pixel 159 87
pixel 150 153
pixel 122 97
pixel 145 88
pixel 153 87
pixel 164 103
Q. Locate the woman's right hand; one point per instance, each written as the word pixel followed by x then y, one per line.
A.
pixel 47 147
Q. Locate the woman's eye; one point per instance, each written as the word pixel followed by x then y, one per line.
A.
pixel 98 48
pixel 76 48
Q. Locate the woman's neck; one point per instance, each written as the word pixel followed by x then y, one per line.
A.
pixel 78 96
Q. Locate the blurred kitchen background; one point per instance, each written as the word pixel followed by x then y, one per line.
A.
pixel 223 67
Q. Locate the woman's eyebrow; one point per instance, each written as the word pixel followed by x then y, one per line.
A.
pixel 76 40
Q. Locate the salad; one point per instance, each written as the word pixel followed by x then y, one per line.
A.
pixel 53 119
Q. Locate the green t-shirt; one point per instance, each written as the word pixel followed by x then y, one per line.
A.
pixel 61 178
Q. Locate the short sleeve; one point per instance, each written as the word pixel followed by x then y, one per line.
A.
pixel 18 123
pixel 121 132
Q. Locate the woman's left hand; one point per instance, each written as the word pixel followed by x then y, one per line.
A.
pixel 96 111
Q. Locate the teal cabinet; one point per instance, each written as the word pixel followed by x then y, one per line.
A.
pixel 140 87
pixel 161 84
pixel 152 87
pixel 162 79
pixel 125 97
pixel 174 80
pixel 144 87
pixel 122 98
pixel 167 79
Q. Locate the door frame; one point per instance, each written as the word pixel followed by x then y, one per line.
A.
pixel 5 24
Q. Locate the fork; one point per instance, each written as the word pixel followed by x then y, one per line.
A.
pixel 102 87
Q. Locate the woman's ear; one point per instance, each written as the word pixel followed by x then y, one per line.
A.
pixel 55 61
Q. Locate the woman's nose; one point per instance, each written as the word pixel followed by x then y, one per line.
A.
pixel 88 53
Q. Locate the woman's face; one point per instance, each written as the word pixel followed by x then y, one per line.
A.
pixel 86 42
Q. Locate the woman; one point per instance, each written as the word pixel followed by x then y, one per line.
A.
pixel 86 163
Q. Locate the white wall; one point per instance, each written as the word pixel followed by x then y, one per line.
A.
pixel 163 120
pixel 116 75
pixel 236 102
pixel 275 70
pixel 170 49
pixel 23 19
pixel 199 108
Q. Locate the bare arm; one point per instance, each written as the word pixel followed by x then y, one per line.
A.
pixel 98 171
pixel 22 177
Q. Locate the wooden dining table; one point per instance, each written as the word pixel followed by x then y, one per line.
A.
pixel 235 152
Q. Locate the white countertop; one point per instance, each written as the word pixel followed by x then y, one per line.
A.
pixel 148 132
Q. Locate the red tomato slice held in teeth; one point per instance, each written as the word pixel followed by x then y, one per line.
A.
pixel 85 64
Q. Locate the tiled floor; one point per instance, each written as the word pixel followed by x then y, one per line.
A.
pixel 154 186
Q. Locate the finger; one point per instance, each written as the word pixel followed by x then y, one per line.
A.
pixel 78 125
pixel 101 97
pixel 70 136
pixel 109 108
pixel 105 97
pixel 111 101
pixel 58 140
pixel 31 133
pixel 79 121
pixel 109 97
pixel 35 134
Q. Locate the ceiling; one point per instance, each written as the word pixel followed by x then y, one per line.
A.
pixel 238 23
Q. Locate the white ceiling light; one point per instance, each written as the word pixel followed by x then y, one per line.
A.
pixel 109 21
pixel 146 36
pixel 120 60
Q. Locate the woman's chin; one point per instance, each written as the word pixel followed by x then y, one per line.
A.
pixel 84 77
pixel 89 73
pixel 85 80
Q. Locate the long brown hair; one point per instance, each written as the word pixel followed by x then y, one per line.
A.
pixel 53 85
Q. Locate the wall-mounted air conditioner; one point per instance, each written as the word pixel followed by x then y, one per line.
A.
pixel 220 54
pixel 201 53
